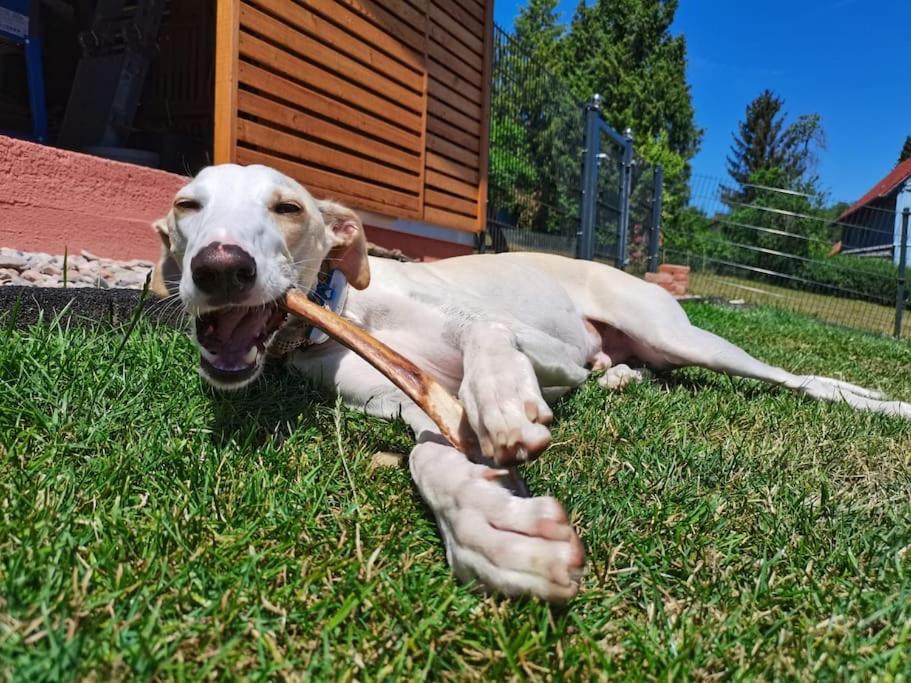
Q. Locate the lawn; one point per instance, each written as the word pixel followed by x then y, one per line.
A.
pixel 848 312
pixel 150 528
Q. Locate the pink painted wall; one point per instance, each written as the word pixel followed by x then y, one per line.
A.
pixel 52 198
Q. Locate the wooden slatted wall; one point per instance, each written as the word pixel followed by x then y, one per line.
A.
pixel 381 104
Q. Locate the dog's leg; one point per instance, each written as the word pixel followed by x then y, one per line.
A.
pixel 510 544
pixel 665 338
pixel 619 376
pixel 693 346
pixel 500 390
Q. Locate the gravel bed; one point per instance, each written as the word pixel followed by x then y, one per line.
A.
pixel 85 269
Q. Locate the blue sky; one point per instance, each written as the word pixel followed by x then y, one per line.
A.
pixel 848 60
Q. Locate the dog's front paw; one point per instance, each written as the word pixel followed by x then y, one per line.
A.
pixel 505 408
pixel 512 545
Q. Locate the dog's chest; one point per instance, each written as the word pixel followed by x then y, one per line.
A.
pixel 414 323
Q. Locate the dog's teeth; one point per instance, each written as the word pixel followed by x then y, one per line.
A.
pixel 250 358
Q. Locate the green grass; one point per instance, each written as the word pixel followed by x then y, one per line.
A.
pixel 848 312
pixel 149 528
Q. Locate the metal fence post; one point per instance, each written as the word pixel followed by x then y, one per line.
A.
pixel 585 238
pixel 654 235
pixel 625 187
pixel 902 263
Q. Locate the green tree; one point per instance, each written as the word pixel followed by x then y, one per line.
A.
pixel 536 127
pixel 623 50
pixel 906 150
pixel 764 143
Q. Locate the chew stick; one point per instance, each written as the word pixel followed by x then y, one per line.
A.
pixel 432 398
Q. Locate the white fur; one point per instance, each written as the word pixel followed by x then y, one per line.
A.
pixel 507 333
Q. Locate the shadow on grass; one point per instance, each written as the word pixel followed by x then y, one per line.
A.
pixel 697 380
pixel 283 401
pixel 279 403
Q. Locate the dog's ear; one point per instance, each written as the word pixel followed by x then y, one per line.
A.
pixel 166 273
pixel 349 251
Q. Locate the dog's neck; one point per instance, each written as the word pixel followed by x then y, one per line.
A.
pixel 330 291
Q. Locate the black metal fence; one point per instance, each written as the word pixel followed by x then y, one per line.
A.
pixel 560 179
pixel 785 249
pixel 535 161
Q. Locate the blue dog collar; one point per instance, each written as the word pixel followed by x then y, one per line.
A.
pixel 330 294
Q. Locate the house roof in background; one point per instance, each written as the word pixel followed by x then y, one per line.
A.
pixel 893 179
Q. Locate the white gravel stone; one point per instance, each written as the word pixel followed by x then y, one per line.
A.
pixel 83 270
pixel 13 261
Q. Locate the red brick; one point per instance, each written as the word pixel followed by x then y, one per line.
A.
pixel 659 278
pixel 673 269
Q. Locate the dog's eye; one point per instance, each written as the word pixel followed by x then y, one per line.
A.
pixel 186 204
pixel 287 208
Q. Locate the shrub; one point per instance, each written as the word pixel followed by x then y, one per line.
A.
pixel 854 277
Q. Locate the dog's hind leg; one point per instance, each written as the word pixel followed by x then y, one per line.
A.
pixel 620 376
pixel 650 326
pixel 675 342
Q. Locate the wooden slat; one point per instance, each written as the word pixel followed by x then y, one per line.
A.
pixel 406 12
pixel 441 25
pixel 451 220
pixel 287 64
pixel 390 22
pixel 443 147
pixel 293 41
pixel 483 166
pixel 351 44
pixel 454 135
pixel 286 117
pixel 381 38
pixel 446 112
pixel 226 39
pixel 365 195
pixel 457 13
pixel 467 174
pixel 420 6
pixel 316 153
pixel 442 56
pixel 441 200
pixel 459 188
pixel 255 77
pixel 441 37
pixel 473 8
pixel 454 99
pixel 470 89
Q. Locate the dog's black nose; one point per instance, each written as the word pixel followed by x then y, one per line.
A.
pixel 223 271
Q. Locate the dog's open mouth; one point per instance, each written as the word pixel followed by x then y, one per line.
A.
pixel 233 341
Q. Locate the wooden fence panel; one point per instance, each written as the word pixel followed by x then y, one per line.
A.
pixel 381 104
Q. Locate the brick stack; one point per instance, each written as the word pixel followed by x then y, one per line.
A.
pixel 675 279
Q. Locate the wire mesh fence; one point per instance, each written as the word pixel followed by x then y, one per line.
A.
pixel 561 179
pixel 535 160
pixel 787 249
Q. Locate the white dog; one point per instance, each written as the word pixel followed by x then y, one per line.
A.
pixel 508 333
